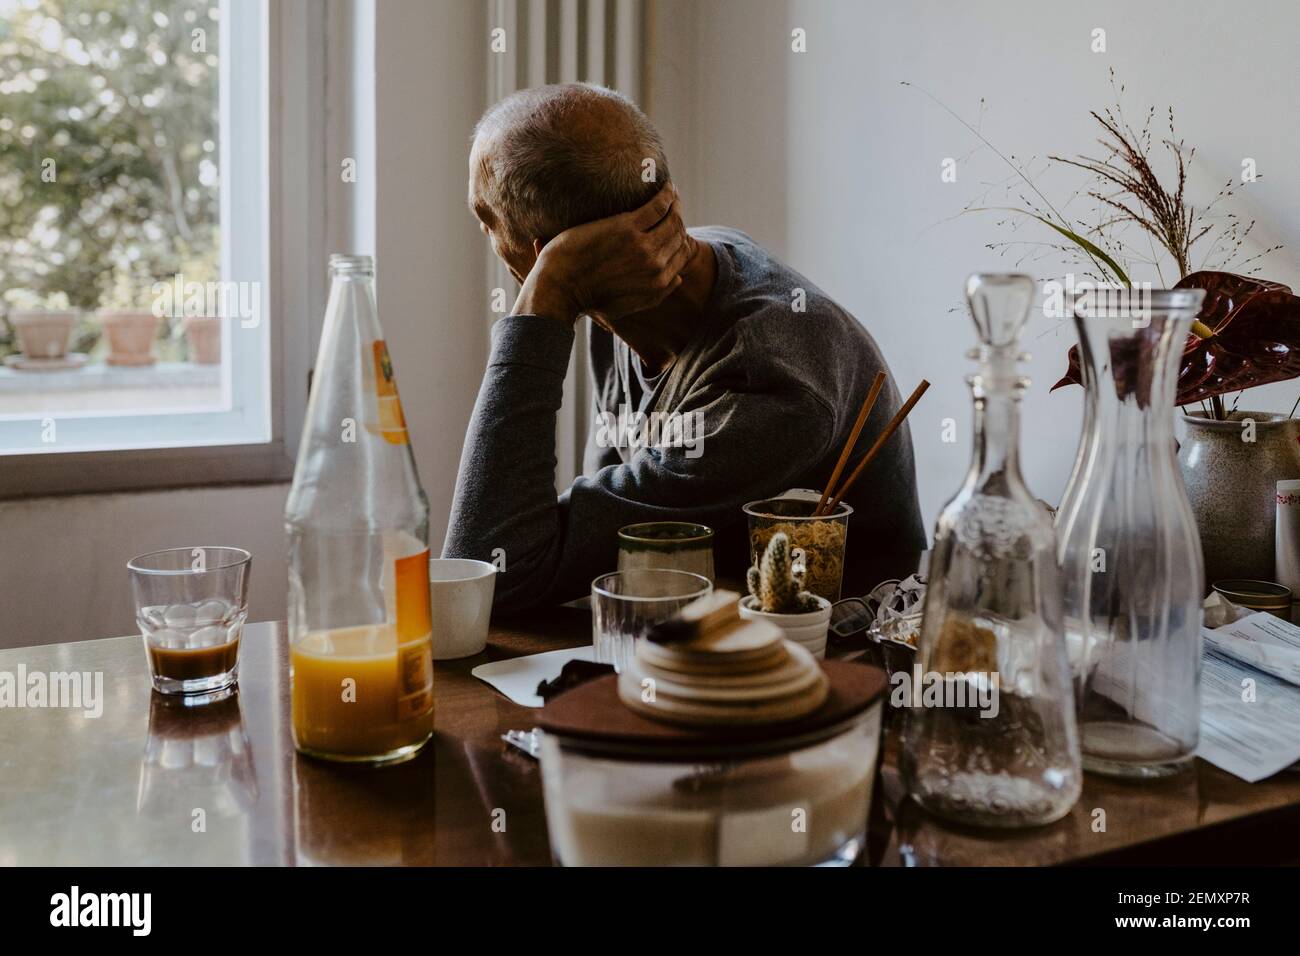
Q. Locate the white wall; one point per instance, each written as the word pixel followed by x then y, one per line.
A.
pixel 63 560
pixel 825 158
pixel 431 259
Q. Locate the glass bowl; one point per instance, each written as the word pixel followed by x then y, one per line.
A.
pixel 799 801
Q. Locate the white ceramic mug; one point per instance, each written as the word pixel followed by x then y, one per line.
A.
pixel 460 599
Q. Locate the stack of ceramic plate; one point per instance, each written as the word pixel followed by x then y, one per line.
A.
pixel 722 671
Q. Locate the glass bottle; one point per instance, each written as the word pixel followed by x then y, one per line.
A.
pixel 361 668
pixel 991 626
pixel 1129 551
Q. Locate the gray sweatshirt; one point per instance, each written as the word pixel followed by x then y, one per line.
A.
pixel 762 399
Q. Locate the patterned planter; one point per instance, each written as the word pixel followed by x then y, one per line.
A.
pixel 1231 469
pixel 808 629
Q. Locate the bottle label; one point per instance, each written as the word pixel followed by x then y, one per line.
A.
pixel 392 423
pixel 414 636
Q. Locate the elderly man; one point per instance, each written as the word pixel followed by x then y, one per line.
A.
pixel 748 376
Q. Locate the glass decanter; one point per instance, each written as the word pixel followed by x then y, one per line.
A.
pixel 1129 550
pixel 992 618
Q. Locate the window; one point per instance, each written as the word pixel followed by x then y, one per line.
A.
pixel 134 245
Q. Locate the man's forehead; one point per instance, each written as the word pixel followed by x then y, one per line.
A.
pixel 479 169
pixel 480 152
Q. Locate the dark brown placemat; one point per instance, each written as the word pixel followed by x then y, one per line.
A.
pixel 593 712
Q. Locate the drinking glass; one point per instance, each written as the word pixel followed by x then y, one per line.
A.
pixel 625 604
pixel 190 605
pixel 818 543
pixel 676 545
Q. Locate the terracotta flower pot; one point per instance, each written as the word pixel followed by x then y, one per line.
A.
pixel 1231 474
pixel 43 335
pixel 203 335
pixel 131 336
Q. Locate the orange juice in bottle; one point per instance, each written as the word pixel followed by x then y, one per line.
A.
pixel 361 668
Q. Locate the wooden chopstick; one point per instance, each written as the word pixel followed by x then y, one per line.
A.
pixel 868 403
pixel 892 427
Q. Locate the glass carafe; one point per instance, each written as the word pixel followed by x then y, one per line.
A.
pixel 992 618
pixel 1130 554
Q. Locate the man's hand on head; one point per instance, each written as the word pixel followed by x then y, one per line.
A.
pixel 611 267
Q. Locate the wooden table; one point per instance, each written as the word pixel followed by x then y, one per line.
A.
pixel 149 782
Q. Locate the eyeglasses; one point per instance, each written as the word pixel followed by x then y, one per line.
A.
pixel 858 616
pixel 854 615
pixel 851 617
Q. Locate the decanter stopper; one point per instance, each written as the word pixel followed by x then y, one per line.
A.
pixel 999 303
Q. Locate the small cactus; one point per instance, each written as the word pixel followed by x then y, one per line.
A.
pixel 774 584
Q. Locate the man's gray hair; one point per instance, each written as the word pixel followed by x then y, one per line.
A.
pixel 566 154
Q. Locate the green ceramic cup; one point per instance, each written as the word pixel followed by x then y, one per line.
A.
pixel 672 545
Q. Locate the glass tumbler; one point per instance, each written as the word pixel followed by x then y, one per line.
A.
pixel 625 604
pixel 819 542
pixel 190 605
pixel 676 545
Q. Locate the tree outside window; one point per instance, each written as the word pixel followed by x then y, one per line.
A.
pixel 108 156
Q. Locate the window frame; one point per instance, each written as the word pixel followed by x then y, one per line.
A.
pixel 276 155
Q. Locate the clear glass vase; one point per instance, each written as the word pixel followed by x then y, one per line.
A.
pixel 1130 554
pixel 992 618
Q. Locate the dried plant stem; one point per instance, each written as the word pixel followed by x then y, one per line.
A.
pixel 1065 223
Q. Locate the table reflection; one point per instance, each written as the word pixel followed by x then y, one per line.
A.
pixel 355 814
pixel 198 770
pixel 1110 814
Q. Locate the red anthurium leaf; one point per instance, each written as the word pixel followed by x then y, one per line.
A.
pixel 1256 338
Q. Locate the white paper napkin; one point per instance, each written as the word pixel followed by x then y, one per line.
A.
pixel 518 677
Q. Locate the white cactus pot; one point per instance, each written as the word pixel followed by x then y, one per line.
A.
pixel 808 628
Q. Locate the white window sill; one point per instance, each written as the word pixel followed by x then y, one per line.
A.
pixel 164 386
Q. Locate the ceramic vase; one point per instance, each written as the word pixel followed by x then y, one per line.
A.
pixel 1231 469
